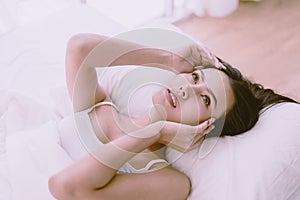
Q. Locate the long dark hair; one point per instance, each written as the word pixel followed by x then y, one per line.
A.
pixel 250 98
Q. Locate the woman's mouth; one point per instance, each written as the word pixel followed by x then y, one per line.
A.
pixel 171 98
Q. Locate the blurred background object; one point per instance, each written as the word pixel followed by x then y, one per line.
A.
pixel 130 13
pixel 259 38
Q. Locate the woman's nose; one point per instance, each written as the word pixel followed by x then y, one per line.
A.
pixel 187 90
pixel 199 88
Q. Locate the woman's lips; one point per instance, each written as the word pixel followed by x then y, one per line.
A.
pixel 171 98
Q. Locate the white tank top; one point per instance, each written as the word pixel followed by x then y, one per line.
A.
pixel 126 91
pixel 79 145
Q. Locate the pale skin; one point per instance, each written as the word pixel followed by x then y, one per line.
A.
pixel 167 124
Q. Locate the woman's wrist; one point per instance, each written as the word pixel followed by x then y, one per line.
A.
pixel 146 56
pixel 170 60
pixel 117 152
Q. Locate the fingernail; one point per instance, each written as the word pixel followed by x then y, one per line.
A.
pixel 212 120
pixel 209 129
pixel 222 66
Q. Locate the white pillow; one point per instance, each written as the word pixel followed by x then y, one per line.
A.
pixel 263 163
pixel 32 157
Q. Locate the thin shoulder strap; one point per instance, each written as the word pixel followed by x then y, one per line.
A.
pixel 105 103
pixel 88 110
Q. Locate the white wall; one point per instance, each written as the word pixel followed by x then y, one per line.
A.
pixel 19 12
pixel 129 13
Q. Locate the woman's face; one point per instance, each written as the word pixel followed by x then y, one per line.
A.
pixel 191 98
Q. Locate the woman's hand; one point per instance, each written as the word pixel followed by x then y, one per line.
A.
pixel 185 59
pixel 183 137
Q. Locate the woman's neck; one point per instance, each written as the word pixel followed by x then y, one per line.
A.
pixel 127 123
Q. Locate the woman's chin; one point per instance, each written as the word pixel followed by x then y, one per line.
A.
pixel 157 113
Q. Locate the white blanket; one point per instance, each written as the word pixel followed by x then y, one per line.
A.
pixel 31 151
pixel 34 98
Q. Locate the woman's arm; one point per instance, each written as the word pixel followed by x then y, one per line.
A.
pixel 82 82
pixel 94 176
pixel 85 52
pixel 163 184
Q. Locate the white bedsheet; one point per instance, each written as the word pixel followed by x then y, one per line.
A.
pixel 34 98
pixel 30 150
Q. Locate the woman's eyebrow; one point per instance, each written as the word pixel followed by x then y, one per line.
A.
pixel 209 91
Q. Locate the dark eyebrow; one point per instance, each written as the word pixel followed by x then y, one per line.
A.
pixel 209 91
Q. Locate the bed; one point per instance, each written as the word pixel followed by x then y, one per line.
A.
pixel 263 163
pixel 32 54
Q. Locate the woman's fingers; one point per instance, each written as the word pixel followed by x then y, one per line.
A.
pixel 203 129
pixel 193 55
pixel 179 128
pixel 183 137
pixel 201 55
pixel 203 126
pixel 195 131
pixel 213 59
pixel 198 139
pixel 205 132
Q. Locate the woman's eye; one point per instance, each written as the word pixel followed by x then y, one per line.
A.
pixel 206 100
pixel 195 77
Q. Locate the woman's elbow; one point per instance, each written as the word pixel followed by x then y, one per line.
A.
pixel 186 187
pixel 85 42
pixel 77 43
pixel 60 188
pixel 180 185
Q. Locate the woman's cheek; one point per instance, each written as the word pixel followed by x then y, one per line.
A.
pixel 191 113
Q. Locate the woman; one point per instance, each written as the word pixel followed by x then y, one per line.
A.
pixel 182 115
